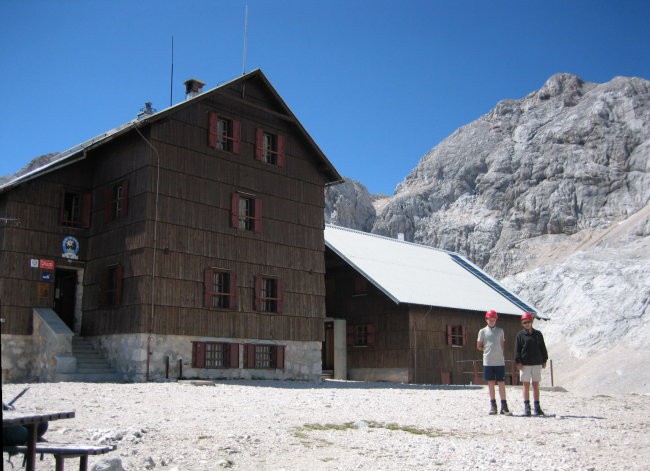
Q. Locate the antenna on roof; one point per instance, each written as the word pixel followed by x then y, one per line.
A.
pixel 171 81
pixel 245 40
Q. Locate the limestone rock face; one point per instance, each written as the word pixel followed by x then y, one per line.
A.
pixel 349 204
pixel 570 157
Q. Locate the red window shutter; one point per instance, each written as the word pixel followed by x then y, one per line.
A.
pixel 259 144
pixel 198 354
pixel 207 289
pixel 236 136
pixel 280 296
pixel 212 129
pixel 257 223
pixel 233 355
pixel 258 293
pixel 108 200
pixel 234 210
pixel 233 291
pixel 279 357
pixel 249 356
pixel 119 275
pixel 350 335
pixel 281 146
pixel 86 203
pixel 124 202
pixel 449 335
pixel 464 332
pixel 370 329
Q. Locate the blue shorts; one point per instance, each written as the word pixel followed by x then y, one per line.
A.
pixel 494 373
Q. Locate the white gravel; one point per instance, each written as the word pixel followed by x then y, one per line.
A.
pixel 273 425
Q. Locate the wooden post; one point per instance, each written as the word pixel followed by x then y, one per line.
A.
pixel 550 362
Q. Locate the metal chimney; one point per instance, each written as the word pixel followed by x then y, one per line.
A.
pixel 193 87
pixel 146 111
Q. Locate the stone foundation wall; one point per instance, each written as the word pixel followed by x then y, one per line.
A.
pixel 127 353
pixel 16 358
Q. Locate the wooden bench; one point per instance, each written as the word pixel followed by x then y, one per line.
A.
pixel 62 451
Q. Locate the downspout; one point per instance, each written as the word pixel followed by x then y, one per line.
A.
pixel 153 263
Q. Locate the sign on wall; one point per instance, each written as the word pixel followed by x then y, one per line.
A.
pixel 70 247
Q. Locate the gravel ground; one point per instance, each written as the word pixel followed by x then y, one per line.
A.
pixel 335 425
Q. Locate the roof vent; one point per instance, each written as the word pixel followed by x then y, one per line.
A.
pixel 148 110
pixel 193 87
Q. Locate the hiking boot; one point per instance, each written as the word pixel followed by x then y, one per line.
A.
pixel 538 410
pixel 527 408
pixel 504 408
pixel 493 408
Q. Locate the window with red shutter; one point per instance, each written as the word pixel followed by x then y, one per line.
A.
pixel 246 212
pixel 260 356
pixel 268 294
pixel 270 147
pixel 75 209
pixel 116 201
pixel 219 289
pixel 215 355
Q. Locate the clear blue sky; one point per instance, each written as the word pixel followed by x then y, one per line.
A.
pixel 376 83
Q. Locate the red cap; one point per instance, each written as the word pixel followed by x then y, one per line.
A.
pixel 527 315
pixel 491 314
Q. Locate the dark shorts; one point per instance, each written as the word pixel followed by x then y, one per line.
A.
pixel 494 373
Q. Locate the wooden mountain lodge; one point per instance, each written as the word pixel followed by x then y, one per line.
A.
pixel 186 242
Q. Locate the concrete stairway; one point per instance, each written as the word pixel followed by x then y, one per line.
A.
pixel 92 366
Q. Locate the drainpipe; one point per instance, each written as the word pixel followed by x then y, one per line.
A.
pixel 153 263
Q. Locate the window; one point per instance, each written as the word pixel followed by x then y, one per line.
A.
pixel 270 147
pixel 246 212
pixel 215 355
pixel 456 335
pixel 268 294
pixel 115 207
pixel 224 133
pixel 220 289
pixel 361 335
pixel 75 208
pixel 264 356
pixel 111 286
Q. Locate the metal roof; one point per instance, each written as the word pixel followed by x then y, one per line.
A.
pixel 417 274
pixel 79 151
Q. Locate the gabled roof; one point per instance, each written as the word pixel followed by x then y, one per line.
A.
pixel 79 151
pixel 416 274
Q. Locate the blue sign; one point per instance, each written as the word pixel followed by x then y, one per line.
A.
pixel 70 248
pixel 46 276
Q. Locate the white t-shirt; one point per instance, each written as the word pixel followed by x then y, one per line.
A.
pixel 491 338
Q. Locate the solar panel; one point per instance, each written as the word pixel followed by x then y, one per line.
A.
pixel 492 284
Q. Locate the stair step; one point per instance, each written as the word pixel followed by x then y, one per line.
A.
pixel 92 365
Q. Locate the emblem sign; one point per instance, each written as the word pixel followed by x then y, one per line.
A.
pixel 70 246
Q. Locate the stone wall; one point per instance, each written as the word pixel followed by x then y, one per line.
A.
pixel 127 353
pixel 16 358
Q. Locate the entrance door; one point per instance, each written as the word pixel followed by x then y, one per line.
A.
pixel 65 293
pixel 328 347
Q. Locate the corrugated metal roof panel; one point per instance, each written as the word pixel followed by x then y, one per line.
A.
pixel 416 274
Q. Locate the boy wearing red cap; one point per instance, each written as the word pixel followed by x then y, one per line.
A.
pixel 491 341
pixel 530 356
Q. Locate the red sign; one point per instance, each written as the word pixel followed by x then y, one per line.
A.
pixel 46 264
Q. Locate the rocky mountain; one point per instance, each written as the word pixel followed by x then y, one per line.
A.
pixel 551 193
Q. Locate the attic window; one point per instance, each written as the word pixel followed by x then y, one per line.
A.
pixel 224 133
pixel 270 147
